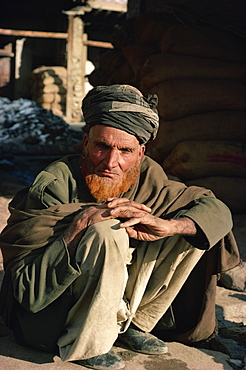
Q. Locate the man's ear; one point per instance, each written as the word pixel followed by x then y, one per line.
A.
pixel 142 151
pixel 85 140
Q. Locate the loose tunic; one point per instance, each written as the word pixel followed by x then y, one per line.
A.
pixel 38 270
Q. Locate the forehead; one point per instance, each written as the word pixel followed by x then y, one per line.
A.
pixel 112 135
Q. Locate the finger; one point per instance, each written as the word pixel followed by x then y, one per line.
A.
pixel 133 221
pixel 128 213
pixel 131 232
pixel 131 206
pixel 113 202
pixel 117 201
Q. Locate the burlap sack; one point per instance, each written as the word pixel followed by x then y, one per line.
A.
pixel 124 74
pixel 45 98
pixel 51 71
pixel 51 98
pixel 111 60
pixel 42 81
pixel 46 106
pixel 52 89
pixel 181 98
pixel 148 28
pixel 57 106
pixel 220 125
pixel 194 159
pixel 59 98
pixel 203 41
pixel 137 54
pixel 160 67
pixel 152 29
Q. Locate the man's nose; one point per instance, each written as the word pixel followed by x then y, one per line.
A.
pixel 112 158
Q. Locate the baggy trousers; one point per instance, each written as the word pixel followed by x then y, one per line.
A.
pixel 119 284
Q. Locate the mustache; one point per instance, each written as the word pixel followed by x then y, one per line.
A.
pixel 101 187
pixel 105 169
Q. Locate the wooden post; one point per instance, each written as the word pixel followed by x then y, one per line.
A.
pixel 84 59
pixel 76 59
pixel 79 59
pixel 69 68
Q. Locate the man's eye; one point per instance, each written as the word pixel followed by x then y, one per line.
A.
pixel 102 145
pixel 126 150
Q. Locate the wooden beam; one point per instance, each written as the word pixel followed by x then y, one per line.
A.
pixel 57 35
pixel 107 5
pixel 99 44
pixel 5 53
pixel 97 4
pixel 50 35
pixel 77 10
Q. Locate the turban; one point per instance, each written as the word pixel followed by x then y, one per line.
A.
pixel 122 107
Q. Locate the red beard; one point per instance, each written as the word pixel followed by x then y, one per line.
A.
pixel 102 188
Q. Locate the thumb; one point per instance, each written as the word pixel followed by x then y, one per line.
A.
pixel 131 232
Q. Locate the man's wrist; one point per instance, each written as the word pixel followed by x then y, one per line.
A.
pixel 184 226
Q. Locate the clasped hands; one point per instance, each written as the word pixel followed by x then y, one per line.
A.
pixel 135 217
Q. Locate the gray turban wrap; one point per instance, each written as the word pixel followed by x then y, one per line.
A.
pixel 120 106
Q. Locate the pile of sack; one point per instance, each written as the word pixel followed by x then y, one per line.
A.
pixel 48 88
pixel 198 72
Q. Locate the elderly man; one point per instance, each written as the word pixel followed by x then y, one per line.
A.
pixel 104 247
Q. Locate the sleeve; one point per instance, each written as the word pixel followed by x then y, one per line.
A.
pixel 53 186
pixel 46 191
pixel 213 220
pixel 43 275
pixel 46 272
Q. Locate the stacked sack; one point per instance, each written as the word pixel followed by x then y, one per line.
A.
pixel 199 77
pixel 133 44
pixel 198 73
pixel 48 88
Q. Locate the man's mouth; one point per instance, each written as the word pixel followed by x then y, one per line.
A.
pixel 106 173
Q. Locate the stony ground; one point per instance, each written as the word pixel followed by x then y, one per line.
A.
pixel 226 352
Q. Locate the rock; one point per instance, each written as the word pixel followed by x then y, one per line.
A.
pixel 237 363
pixel 230 347
pixel 235 279
pixel 6 165
pixel 230 308
pixel 236 333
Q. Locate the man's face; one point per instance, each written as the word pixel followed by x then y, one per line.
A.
pixel 112 157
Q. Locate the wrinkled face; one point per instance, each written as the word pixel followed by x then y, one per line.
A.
pixel 112 152
pixel 112 156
